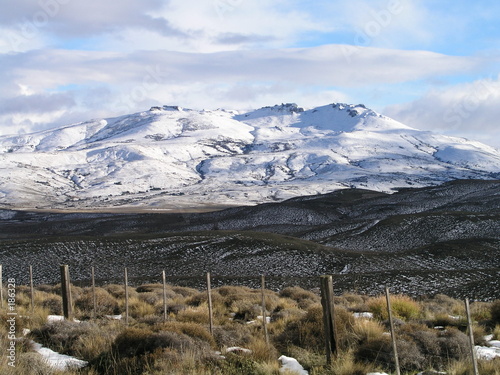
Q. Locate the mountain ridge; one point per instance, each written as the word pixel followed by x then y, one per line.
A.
pixel 171 157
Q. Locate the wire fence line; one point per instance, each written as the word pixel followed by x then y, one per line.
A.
pixel 325 284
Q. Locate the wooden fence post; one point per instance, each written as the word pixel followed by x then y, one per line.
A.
pixel 328 317
pixel 210 308
pixel 264 318
pixel 32 290
pixel 66 293
pixel 393 333
pixel 1 287
pixel 164 279
pixel 126 296
pixel 471 337
pixel 94 297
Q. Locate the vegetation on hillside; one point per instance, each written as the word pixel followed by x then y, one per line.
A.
pixel 430 332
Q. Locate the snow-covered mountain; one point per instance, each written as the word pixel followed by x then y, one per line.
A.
pixel 170 157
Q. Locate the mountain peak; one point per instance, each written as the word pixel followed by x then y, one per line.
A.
pixel 170 156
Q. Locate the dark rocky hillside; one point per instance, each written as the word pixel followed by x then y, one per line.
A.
pixel 443 239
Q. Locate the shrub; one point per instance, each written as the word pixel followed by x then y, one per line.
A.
pixel 139 309
pixel 454 344
pixel 380 351
pixel 199 315
pixel 96 340
pixel 304 298
pixel 238 365
pixel 106 304
pixel 150 298
pixel 237 335
pixel 62 336
pixel 174 308
pixel 480 311
pixel 246 310
pixel 53 304
pixel 134 342
pixel 496 332
pixel 403 307
pixel 191 329
pixel 495 312
pixel 118 291
pixel 346 364
pixel 306 332
pixel 442 305
pixel 366 329
pixel 184 291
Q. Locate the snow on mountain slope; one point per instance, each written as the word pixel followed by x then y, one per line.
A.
pixel 173 157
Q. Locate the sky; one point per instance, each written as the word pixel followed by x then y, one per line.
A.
pixel 433 65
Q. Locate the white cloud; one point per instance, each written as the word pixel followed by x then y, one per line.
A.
pixel 68 82
pixel 327 65
pixel 81 18
pixel 470 110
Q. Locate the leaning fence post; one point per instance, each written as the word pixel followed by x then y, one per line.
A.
pixel 328 317
pixel 126 296
pixel 32 290
pixel 471 337
pixel 264 318
pixel 164 279
pixel 1 287
pixel 393 334
pixel 94 297
pixel 66 293
pixel 210 310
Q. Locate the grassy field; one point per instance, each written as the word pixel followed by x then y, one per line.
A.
pixel 430 332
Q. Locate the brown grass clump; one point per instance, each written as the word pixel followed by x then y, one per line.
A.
pixel 379 351
pixel 235 335
pixel 403 307
pixel 304 298
pixel 118 291
pixel 454 344
pixel 135 342
pixel 353 302
pixel 140 351
pixel 83 340
pixel 480 311
pixel 184 291
pixel 367 329
pixel 496 332
pixel 260 350
pixel 106 304
pixel 442 305
pixel 53 304
pixel 306 332
pixel 495 312
pixel 190 329
pixel 465 367
pixel 196 315
pixel 346 364
pixel 139 309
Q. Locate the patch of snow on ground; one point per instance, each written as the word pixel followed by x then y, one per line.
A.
pixel 487 354
pixel 268 318
pixel 291 364
pixel 495 343
pixel 237 349
pixel 58 318
pixel 114 317
pixel 58 361
pixel 54 318
pixel 367 315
